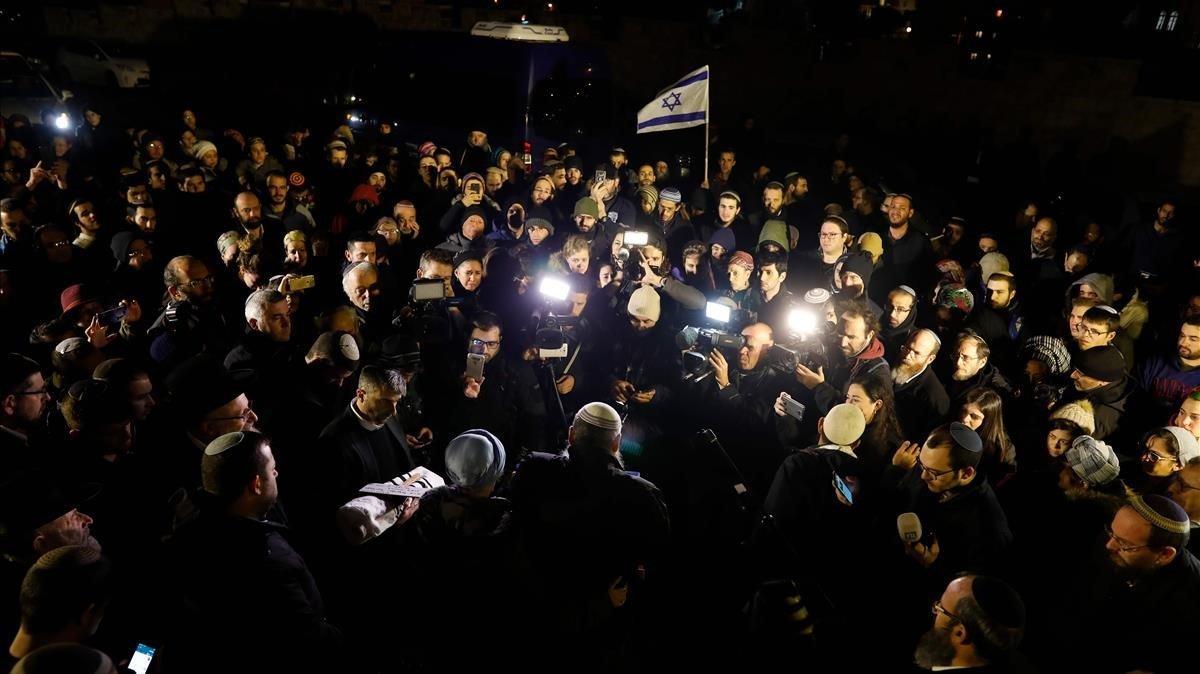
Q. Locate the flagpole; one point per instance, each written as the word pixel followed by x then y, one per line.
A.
pixel 707 114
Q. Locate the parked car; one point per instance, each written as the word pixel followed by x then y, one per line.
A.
pixel 87 62
pixel 25 90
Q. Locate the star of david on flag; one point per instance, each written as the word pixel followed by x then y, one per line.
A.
pixel 682 105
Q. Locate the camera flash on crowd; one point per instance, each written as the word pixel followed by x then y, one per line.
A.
pixel 718 312
pixel 636 238
pixel 62 121
pixel 554 288
pixel 802 321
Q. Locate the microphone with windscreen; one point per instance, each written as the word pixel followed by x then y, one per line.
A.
pixel 686 338
pixel 908 525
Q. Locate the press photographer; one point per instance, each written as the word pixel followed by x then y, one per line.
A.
pixel 740 402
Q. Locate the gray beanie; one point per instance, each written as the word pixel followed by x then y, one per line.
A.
pixel 475 459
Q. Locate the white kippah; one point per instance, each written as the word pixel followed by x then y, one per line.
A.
pixel 224 443
pixel 844 425
pixel 599 415
pixel 817 296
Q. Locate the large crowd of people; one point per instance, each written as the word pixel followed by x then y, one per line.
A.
pixel 354 402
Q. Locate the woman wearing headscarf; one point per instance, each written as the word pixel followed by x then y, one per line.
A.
pixel 464 552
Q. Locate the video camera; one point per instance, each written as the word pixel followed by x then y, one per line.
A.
pixel 698 343
pixel 434 290
pixel 430 300
pixel 630 250
pixel 804 343
pixel 548 336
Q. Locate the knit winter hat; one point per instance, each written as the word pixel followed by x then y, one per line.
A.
pixel 202 148
pixel 670 194
pixel 1080 412
pixel 587 206
pixel 1104 363
pixel 991 263
pixel 539 223
pixel 724 238
pixel 860 264
pixel 475 459
pixel 742 259
pixel 647 192
pixel 1051 351
pixel 1093 461
pixel 843 425
pixel 775 231
pixel 644 303
pixel 473 210
pixel 872 243
pixel 1189 448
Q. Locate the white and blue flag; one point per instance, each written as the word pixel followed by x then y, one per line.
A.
pixel 680 106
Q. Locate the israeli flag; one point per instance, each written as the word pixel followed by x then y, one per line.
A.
pixel 680 106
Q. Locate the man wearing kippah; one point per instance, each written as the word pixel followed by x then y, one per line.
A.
pixel 236 549
pixel 676 229
pixel 1138 601
pixel 591 530
pixel 965 528
pixel 978 622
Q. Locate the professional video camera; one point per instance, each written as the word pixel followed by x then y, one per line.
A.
pixel 629 257
pixel 697 343
pixel 548 336
pixel 429 303
pixel 805 342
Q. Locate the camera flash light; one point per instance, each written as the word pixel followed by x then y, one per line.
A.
pixel 718 312
pixel 802 321
pixel 636 238
pixel 554 288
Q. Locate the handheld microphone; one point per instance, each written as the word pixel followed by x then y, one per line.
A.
pixel 908 525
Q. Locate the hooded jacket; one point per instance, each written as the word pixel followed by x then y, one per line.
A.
pixel 869 362
pixel 1109 402
pixel 1101 283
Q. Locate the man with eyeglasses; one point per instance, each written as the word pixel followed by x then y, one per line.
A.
pixel 978 623
pixel 970 366
pixel 191 322
pixel 207 401
pixel 965 527
pixel 1136 606
pixel 507 399
pixel 1099 376
pixel 1098 327
pixel 819 264
pixel 898 321
pixel 23 401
